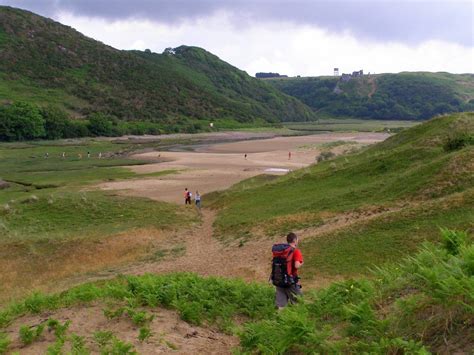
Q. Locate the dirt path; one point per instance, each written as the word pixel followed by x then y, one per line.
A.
pixel 207 256
pixel 374 87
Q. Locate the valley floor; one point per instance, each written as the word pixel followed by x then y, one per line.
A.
pixel 213 167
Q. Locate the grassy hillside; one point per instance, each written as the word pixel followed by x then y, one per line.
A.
pixel 46 63
pixel 414 96
pixel 54 226
pixel 419 305
pixel 376 205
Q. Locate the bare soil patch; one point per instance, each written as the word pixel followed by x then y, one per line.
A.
pixel 169 333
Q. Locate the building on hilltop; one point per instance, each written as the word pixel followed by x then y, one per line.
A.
pixel 269 75
pixel 355 74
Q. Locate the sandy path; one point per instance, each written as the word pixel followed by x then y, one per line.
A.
pixel 206 256
pixel 219 166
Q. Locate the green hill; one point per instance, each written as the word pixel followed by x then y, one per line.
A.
pixel 414 96
pixel 46 63
pixel 376 205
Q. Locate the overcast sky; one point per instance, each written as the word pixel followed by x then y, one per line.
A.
pixel 299 37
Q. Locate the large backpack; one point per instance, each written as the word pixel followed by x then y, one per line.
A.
pixel 282 264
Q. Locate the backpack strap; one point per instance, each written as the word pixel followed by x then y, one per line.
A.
pixel 289 262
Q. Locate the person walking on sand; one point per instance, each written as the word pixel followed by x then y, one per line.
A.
pixel 245 156
pixel 187 196
pixel 197 199
pixel 287 259
pixel 289 155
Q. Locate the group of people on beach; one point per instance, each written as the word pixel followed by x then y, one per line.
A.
pixel 188 197
pixel 79 155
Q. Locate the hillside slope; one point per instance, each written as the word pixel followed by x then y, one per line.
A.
pixel 364 208
pixel 44 62
pixel 414 96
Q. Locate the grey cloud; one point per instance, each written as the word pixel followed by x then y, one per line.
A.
pixel 383 20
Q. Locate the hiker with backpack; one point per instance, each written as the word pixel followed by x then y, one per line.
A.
pixel 287 259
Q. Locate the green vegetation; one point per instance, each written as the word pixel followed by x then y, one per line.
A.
pixel 28 335
pixel 387 199
pixel 351 125
pixel 180 90
pixel 198 300
pixel 52 225
pixel 21 122
pixel 66 215
pixel 4 343
pixel 423 303
pixel 353 250
pixel 413 96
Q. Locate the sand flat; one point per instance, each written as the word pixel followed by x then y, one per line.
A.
pixel 219 166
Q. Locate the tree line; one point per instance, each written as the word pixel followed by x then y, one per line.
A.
pixel 24 121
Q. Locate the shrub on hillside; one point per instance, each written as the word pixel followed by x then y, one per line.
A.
pixel 21 121
pixel 55 122
pixel 76 129
pixel 458 141
pixel 100 125
pixel 326 155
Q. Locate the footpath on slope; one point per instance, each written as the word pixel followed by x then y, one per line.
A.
pixel 207 256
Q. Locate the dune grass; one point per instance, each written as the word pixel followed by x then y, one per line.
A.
pixel 65 215
pixel 353 250
pixel 411 172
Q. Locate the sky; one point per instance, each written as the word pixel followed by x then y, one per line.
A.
pixel 292 37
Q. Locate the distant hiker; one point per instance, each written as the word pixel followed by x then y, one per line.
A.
pixel 245 156
pixel 100 155
pixel 289 155
pixel 46 155
pixel 187 196
pixel 197 200
pixel 287 259
pixel 64 155
pixel 88 154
